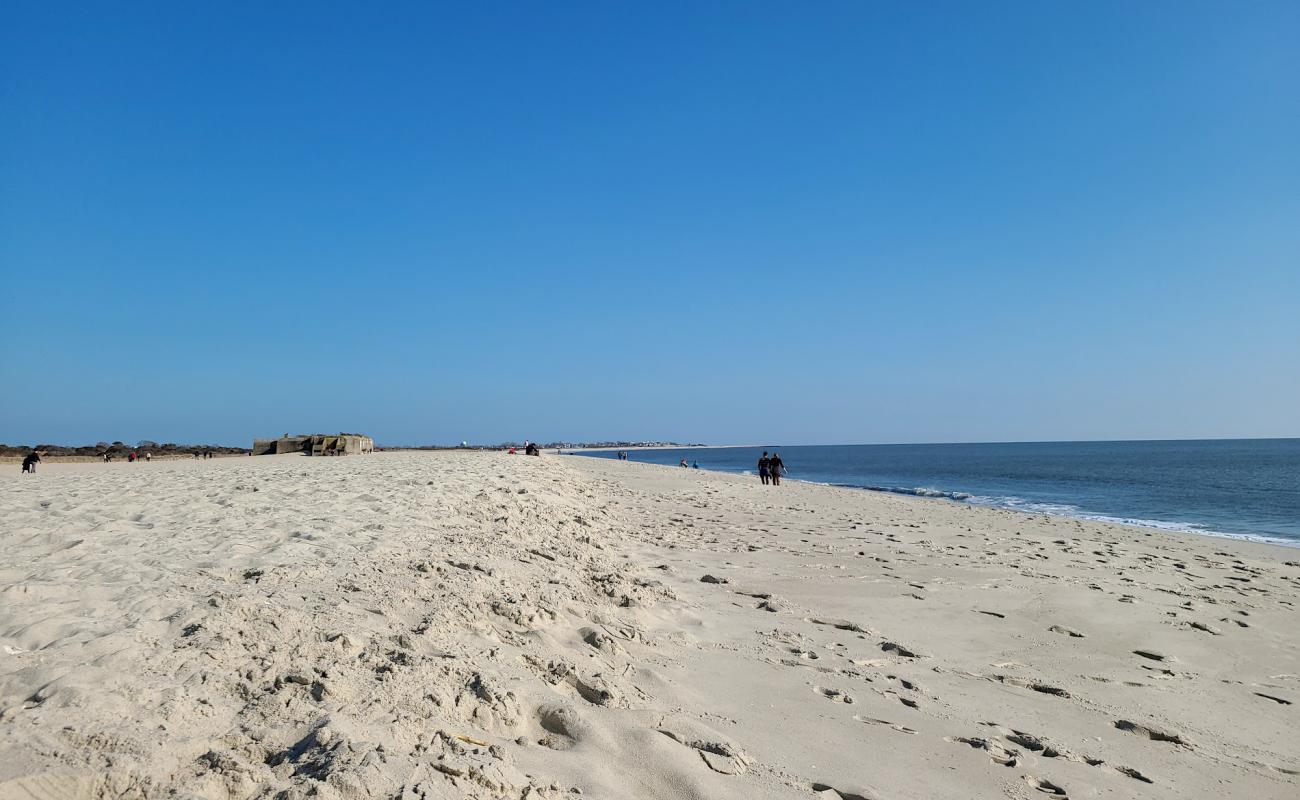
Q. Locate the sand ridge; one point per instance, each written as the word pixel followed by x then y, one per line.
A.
pixel 426 625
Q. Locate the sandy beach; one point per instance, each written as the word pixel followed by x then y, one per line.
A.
pixel 473 624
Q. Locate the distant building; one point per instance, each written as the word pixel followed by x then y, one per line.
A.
pixel 318 444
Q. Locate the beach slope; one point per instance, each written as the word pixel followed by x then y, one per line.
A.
pixel 430 625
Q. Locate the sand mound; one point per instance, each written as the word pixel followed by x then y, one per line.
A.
pixel 292 627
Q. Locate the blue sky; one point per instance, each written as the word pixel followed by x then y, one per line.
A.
pixel 838 222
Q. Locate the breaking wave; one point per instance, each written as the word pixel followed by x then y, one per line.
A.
pixel 920 491
pixel 1012 503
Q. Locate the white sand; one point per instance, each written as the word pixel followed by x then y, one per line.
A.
pixel 429 625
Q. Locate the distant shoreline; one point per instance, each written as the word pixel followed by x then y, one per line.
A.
pixel 651 447
pixel 1010 477
pixel 56 459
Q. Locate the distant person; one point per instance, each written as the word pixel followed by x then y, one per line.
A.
pixel 683 464
pixel 130 457
pixel 695 465
pixel 148 455
pixel 776 467
pixel 764 468
pixel 30 461
pixel 513 452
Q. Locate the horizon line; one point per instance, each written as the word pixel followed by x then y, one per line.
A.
pixel 677 446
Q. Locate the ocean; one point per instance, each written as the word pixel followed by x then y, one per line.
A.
pixel 1241 488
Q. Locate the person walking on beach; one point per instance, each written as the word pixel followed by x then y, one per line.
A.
pixel 764 466
pixel 775 466
pixel 29 463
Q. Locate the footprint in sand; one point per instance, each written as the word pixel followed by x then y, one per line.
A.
pixel 898 649
pixel 717 753
pixel 838 624
pixel 874 663
pixel 824 791
pixel 834 694
pixel 564 728
pixel 1153 655
pixel 1134 774
pixel 887 723
pixel 1154 734
pixel 1045 786
pixel 1046 749
pixel 1037 687
pixel 998 754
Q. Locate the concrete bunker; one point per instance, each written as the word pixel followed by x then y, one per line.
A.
pixel 316 444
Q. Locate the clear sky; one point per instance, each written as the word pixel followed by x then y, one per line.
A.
pixel 739 222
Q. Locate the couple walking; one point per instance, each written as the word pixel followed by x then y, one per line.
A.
pixel 771 468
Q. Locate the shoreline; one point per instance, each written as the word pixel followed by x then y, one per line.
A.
pixel 1153 524
pixel 944 498
pixel 575 450
pixel 951 497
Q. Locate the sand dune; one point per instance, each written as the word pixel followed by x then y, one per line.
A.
pixel 430 625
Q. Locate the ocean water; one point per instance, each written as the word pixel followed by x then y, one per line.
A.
pixel 1245 488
